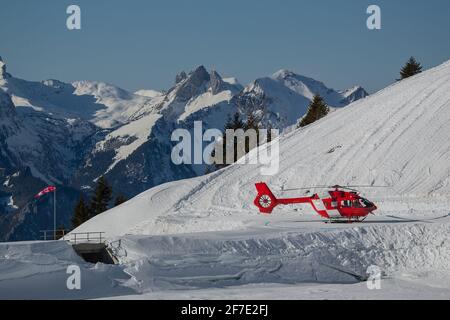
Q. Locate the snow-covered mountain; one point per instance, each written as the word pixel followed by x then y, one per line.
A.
pixel 353 94
pixel 284 97
pixel 69 134
pixel 137 155
pixel 397 138
pixel 199 95
pixel 100 103
pixel 37 148
pixel 48 143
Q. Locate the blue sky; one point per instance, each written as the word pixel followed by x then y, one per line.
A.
pixel 145 43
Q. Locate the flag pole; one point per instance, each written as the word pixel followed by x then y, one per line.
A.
pixel 54 215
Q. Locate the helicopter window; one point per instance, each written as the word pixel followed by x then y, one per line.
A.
pixel 346 203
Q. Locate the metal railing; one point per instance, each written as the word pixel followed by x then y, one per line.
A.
pixel 85 237
pixel 48 235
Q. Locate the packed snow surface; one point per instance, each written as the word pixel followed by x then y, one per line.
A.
pixel 269 260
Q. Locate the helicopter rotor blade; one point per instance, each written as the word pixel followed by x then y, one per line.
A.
pixel 352 188
pixel 344 187
pixel 364 187
pixel 335 186
pixel 306 188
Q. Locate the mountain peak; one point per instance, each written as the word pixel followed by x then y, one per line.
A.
pixel 200 74
pixel 353 89
pixel 192 84
pixel 217 83
pixel 354 93
pixel 3 73
pixel 288 75
pixel 283 74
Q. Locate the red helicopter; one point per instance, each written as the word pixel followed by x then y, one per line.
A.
pixel 341 204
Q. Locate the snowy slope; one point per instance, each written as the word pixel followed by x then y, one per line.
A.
pixel 205 100
pixel 119 104
pixel 397 137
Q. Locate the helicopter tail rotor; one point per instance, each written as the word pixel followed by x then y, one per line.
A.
pixel 265 200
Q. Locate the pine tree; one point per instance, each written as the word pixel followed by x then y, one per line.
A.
pixel 81 213
pixel 316 110
pixel 269 133
pixel 235 123
pixel 101 198
pixel 252 123
pixel 119 200
pixel 411 68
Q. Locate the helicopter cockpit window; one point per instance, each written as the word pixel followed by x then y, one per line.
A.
pixel 366 203
pixel 356 204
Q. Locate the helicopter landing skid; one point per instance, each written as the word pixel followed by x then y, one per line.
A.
pixel 352 220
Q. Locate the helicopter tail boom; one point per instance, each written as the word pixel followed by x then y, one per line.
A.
pixel 266 201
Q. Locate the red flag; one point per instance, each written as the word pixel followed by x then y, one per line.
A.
pixel 45 191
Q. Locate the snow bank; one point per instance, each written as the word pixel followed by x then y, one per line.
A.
pixel 37 270
pixel 292 254
pixel 336 255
